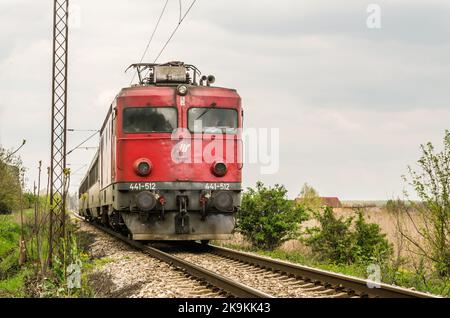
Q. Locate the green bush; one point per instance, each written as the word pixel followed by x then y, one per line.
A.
pixel 267 218
pixel 370 244
pixel 5 208
pixel 332 240
pixel 335 240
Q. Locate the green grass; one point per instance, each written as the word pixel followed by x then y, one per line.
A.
pixel 26 280
pixel 14 286
pixel 425 283
pixel 9 235
pixel 12 277
pixel 95 264
pixel 299 258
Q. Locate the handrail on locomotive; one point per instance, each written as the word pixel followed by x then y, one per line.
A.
pixel 175 72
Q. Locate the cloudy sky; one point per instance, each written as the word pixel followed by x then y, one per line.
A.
pixel 352 103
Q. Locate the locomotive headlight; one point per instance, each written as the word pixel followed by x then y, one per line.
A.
pixel 182 90
pixel 145 201
pixel 219 169
pixel 143 167
pixel 223 201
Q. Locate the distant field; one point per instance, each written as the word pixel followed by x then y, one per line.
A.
pixel 360 203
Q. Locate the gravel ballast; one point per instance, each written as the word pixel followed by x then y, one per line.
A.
pixel 125 272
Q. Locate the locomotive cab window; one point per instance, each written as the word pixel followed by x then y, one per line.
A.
pixel 149 119
pixel 213 120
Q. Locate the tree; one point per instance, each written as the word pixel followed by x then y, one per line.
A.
pixel 10 181
pixel 267 217
pixel 431 183
pixel 309 198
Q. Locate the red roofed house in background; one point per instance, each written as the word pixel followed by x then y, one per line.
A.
pixel 332 202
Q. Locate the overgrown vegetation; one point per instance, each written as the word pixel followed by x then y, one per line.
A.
pixel 431 182
pixel 342 241
pixel 68 276
pixel 267 218
pixel 11 276
pixel 25 269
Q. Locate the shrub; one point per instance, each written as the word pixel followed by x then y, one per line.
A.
pixel 335 240
pixel 267 218
pixel 370 244
pixel 5 208
pixel 332 240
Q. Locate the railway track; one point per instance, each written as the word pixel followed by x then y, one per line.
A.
pixel 293 280
pixel 245 275
pixel 224 284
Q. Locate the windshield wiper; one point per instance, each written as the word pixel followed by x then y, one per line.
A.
pixel 204 113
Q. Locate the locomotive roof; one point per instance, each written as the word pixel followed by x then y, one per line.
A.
pixel 193 89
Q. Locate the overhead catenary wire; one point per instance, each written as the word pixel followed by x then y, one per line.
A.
pixel 76 171
pixel 81 144
pixel 175 30
pixel 151 38
pixel 81 130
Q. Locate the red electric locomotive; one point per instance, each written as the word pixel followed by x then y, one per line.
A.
pixel 169 163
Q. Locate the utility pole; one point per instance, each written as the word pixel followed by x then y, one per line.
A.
pixel 59 126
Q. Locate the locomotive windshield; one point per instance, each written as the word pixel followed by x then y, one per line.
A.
pixel 213 120
pixel 149 119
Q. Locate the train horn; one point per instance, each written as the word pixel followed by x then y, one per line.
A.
pixel 210 80
pixel 203 79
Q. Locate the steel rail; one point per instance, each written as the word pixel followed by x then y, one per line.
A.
pixel 358 286
pixel 232 287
